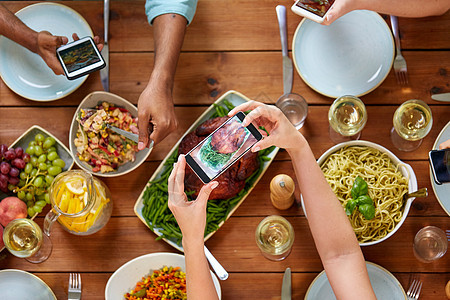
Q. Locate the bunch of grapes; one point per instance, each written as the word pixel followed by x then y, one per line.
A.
pixel 12 161
pixel 40 164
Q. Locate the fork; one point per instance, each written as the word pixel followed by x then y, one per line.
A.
pixel 413 292
pixel 74 286
pixel 448 234
pixel 401 73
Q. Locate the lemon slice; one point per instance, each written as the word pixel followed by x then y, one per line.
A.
pixel 76 187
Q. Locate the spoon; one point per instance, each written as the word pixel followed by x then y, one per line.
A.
pixel 220 271
pixel 419 193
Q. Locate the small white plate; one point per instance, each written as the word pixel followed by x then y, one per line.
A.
pixel 25 72
pixel 384 284
pixel 352 56
pixel 442 191
pixel 18 284
pixel 124 279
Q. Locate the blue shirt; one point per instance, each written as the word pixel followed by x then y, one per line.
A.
pixel 186 8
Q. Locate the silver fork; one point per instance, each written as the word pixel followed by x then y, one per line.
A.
pixel 413 292
pixel 74 286
pixel 448 234
pixel 401 72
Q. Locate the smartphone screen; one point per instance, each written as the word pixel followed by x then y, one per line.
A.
pixel 317 7
pixel 222 148
pixel 440 165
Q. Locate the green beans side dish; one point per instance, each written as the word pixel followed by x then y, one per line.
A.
pixel 155 198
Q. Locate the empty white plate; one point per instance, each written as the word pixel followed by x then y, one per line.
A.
pixel 18 284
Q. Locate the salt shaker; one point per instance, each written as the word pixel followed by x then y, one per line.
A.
pixel 282 191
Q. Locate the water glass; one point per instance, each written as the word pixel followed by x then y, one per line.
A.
pixel 430 243
pixel 275 237
pixel 294 108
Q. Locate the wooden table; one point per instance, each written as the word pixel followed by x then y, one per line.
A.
pixel 235 45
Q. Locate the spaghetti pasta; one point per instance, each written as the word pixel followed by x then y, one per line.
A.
pixel 386 184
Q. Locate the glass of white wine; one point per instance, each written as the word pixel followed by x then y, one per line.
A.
pixel 24 238
pixel 347 117
pixel 275 237
pixel 412 122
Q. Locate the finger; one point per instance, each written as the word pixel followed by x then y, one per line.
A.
pixel 143 123
pixel 158 134
pixel 75 37
pixel 263 144
pixel 100 47
pixel 445 145
pixel 171 180
pixel 259 112
pixel 206 191
pixel 96 39
pixel 244 107
pixel 179 176
pixel 60 40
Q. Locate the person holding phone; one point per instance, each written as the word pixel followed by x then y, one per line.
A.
pixel 42 43
pixel 333 235
pixel 400 8
pixel 156 114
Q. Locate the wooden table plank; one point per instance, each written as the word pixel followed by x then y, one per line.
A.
pixel 202 77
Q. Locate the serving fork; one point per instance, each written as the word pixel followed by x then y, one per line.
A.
pixel 447 232
pixel 413 292
pixel 401 72
pixel 74 286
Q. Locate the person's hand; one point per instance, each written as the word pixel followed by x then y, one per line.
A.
pixel 281 131
pixel 47 45
pixel 156 115
pixel 190 215
pixel 338 9
pixel 444 145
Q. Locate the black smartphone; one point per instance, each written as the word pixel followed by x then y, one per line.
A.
pixel 80 58
pixel 440 165
pixel 222 148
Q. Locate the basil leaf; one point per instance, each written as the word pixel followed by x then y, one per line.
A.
pixel 350 207
pixel 367 210
pixel 364 199
pixel 359 188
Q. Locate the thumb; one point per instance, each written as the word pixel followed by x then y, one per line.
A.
pixel 262 144
pixel 143 131
pixel 206 190
pixel 156 136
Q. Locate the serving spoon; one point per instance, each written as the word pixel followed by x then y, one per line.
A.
pixel 419 193
pixel 220 271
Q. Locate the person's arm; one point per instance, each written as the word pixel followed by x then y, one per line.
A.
pixel 400 8
pixel 191 217
pixel 155 106
pixel 333 235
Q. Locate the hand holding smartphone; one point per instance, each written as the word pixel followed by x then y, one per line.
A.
pixel 440 165
pixel 80 58
pixel 222 148
pixel 315 10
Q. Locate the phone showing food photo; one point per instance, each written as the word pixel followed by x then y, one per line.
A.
pixel 315 10
pixel 222 148
pixel 80 58
pixel 440 165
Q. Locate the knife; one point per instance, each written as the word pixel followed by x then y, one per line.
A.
pixel 286 287
pixel 445 97
pixel 287 62
pixel 129 135
pixel 104 73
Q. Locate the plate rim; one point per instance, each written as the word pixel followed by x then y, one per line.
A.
pixel 433 184
pixel 367 263
pixel 374 14
pixel 32 6
pixel 29 274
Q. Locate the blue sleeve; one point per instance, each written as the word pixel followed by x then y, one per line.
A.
pixel 186 8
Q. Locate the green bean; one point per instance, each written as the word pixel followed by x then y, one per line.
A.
pixel 265 158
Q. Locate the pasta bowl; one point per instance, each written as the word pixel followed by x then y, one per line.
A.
pixel 405 169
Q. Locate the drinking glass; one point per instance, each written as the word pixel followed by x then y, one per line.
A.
pixel 275 237
pixel 294 108
pixel 347 117
pixel 412 122
pixel 24 238
pixel 430 243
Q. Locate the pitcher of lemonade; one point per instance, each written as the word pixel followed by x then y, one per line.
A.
pixel 80 202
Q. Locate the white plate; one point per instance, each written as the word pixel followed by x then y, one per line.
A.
pixel 385 285
pixel 352 56
pixel 18 284
pixel 91 101
pixel 442 191
pixel 234 98
pixel 124 279
pixel 25 72
pixel 408 171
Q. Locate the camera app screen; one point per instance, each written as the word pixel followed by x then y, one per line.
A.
pixel 79 56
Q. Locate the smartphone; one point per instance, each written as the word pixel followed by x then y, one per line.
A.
pixel 315 10
pixel 80 58
pixel 222 148
pixel 440 165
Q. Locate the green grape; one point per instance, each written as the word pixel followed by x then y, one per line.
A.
pixel 59 162
pixel 32 143
pixel 47 198
pixel 29 196
pixel 49 179
pixel 23 175
pixel 40 197
pixel 30 150
pixel 30 203
pixel 49 142
pixel 37 208
pixel 11 187
pixel 40 191
pixel 33 173
pixel 43 166
pixel 39 138
pixel 49 164
pixel 34 161
pixel 38 150
pixel 52 156
pixel 21 183
pixel 31 211
pixel 21 195
pixel 54 170
pixel 40 203
pixel 51 149
pixel 28 168
pixel 42 158
pixel 38 181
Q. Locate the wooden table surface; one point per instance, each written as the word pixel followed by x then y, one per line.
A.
pixel 235 45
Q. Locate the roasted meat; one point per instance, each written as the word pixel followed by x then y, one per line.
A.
pixel 228 138
pixel 207 127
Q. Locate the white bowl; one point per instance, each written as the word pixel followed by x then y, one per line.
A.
pixel 412 185
pixel 125 278
pixel 18 284
pixel 90 101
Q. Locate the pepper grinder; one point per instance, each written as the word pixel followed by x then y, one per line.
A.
pixel 282 191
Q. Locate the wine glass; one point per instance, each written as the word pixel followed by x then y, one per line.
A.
pixel 347 117
pixel 412 122
pixel 275 237
pixel 24 238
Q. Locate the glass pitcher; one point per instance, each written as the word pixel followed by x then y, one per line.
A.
pixel 80 202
